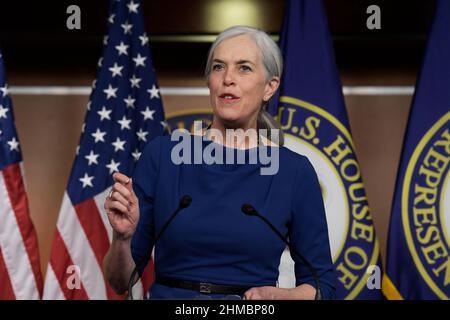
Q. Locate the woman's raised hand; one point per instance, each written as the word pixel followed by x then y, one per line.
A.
pixel 122 207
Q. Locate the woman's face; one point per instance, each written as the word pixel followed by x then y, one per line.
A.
pixel 237 82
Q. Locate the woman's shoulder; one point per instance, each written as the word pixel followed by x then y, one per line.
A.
pixel 162 146
pixel 159 143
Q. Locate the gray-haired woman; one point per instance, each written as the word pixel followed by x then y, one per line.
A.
pixel 209 246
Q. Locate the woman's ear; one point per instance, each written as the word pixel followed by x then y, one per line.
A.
pixel 271 88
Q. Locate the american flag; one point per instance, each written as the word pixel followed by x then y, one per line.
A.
pixel 123 114
pixel 20 271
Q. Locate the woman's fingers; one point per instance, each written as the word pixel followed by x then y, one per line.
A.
pixel 117 196
pixel 121 204
pixel 117 206
pixel 123 191
pixel 121 178
pixel 124 180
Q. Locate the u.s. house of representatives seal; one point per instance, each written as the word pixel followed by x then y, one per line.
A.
pixel 320 136
pixel 426 207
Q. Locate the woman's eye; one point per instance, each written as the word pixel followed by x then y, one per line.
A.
pixel 246 68
pixel 217 67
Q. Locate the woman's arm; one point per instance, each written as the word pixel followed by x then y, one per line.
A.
pixel 308 232
pixel 122 209
pixel 118 264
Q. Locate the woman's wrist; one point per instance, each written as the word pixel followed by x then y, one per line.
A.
pixel 121 237
pixel 302 292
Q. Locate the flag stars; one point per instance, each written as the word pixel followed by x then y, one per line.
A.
pixel 104 113
pixel 116 70
pixel 113 166
pixel 148 114
pixel 136 155
pixel 105 40
pixel 111 18
pixel 4 90
pixel 99 135
pixel 86 180
pixel 13 144
pixel 135 81
pixel 129 101
pixel 110 92
pixel 118 145
pixel 142 135
pixel 92 158
pixel 3 112
pixel 124 123
pixel 126 27
pixel 154 92
pixel 164 125
pixel 132 7
pixel 144 39
pixel 122 48
pixel 139 60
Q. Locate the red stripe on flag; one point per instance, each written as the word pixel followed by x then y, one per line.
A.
pixel 6 290
pixel 92 223
pixel 60 260
pixel 148 276
pixel 18 197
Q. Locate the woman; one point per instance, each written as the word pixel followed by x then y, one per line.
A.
pixel 212 247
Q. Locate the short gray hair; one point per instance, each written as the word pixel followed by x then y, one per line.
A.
pixel 270 53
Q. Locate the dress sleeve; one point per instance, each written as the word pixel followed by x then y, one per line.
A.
pixel 145 179
pixel 309 232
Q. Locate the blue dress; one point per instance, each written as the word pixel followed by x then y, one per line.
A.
pixel 213 240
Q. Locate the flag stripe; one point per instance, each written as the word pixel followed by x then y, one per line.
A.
pixel 17 193
pixel 58 261
pixel 52 289
pixel 20 270
pixel 148 276
pixel 100 201
pixel 6 292
pixel 80 250
pixel 14 252
pixel 93 225
pixel 94 228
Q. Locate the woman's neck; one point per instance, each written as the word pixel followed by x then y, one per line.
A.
pixel 234 137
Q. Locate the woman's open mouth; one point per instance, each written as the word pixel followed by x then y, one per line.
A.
pixel 228 98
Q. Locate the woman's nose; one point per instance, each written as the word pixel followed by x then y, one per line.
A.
pixel 228 77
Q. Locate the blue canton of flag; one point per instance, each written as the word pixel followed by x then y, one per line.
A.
pixel 9 143
pixel 310 107
pixel 125 110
